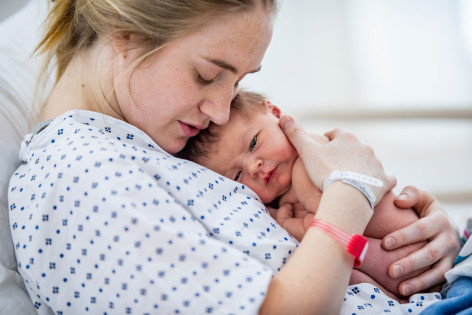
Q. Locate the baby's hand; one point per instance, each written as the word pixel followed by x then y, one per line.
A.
pixel 294 218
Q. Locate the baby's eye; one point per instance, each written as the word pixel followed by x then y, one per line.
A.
pixel 253 143
pixel 237 176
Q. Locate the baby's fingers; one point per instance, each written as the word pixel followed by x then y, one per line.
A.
pixel 284 213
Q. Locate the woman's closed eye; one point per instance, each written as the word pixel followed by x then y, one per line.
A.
pixel 202 80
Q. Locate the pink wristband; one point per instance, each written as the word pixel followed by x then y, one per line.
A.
pixel 356 244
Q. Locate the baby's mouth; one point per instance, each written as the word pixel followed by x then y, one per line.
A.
pixel 271 175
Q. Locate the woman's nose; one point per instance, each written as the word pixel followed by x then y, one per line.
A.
pixel 217 107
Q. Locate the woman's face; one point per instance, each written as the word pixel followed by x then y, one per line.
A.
pixel 181 88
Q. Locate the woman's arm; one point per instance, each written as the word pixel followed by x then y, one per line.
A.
pixel 434 226
pixel 320 268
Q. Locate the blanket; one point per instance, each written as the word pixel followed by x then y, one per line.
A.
pixel 458 291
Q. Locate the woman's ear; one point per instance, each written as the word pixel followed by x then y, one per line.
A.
pixel 121 42
pixel 272 108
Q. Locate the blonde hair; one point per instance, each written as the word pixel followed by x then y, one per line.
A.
pixel 73 25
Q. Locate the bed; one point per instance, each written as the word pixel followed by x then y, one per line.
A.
pixel 17 69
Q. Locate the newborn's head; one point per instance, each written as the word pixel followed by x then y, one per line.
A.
pixel 251 148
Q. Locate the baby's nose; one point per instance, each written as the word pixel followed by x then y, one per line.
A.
pixel 254 168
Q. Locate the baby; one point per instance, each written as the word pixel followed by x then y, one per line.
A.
pixel 253 150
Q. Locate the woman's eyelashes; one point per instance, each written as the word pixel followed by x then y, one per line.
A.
pixel 202 81
pixel 205 79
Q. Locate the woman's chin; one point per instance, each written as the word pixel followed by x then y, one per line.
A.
pixel 175 146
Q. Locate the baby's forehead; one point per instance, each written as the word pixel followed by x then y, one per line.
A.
pixel 247 113
pixel 239 120
pixel 237 125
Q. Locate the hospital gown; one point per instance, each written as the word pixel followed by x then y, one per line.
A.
pixel 104 221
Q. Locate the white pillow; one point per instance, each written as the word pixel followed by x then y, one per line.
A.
pixel 19 35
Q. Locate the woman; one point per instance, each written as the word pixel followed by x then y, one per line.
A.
pixel 113 223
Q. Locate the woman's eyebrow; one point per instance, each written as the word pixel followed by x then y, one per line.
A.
pixel 229 67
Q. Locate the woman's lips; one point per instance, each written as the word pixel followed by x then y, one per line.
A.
pixel 189 130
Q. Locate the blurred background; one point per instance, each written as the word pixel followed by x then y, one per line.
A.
pixel 397 73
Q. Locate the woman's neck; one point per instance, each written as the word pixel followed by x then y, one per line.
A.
pixel 86 84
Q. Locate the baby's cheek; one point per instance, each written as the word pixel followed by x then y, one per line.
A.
pixel 265 194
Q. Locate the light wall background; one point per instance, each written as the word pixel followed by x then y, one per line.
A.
pixel 397 73
pixel 370 54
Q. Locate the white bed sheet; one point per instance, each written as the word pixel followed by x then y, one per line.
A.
pixel 18 35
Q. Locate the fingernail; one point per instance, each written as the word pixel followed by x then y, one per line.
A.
pixel 286 121
pixel 397 270
pixel 407 289
pixel 403 196
pixel 389 242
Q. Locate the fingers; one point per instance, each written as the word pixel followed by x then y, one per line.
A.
pixel 283 213
pixel 407 198
pixel 427 279
pixel 421 230
pixel 295 132
pixel 441 247
pixel 421 201
pixel 421 258
pixel 439 252
pixel 336 132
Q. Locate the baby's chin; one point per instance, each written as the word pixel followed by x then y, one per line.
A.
pixel 272 200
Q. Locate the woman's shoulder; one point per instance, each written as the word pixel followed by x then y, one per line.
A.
pixel 89 133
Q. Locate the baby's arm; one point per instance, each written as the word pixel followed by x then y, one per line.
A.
pixel 388 218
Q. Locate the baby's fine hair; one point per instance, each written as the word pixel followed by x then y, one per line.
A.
pixel 73 25
pixel 246 103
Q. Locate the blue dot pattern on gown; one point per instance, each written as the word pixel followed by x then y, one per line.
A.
pixel 365 298
pixel 104 221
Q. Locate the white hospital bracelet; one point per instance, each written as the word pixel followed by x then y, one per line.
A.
pixel 356 180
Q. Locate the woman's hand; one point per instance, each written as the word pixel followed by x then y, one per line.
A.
pixel 342 152
pixel 433 225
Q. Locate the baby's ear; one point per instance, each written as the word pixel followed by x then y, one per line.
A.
pixel 273 109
